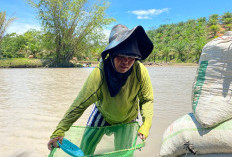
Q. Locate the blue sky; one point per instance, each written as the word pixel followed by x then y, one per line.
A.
pixel 148 13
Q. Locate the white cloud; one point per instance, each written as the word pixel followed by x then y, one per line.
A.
pixel 21 28
pixel 143 17
pixel 147 14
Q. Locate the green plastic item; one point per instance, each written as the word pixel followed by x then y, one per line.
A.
pixel 109 141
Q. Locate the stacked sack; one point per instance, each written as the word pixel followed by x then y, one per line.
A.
pixel 212 102
pixel 208 130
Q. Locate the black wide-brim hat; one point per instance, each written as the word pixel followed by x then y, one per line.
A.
pixel 120 34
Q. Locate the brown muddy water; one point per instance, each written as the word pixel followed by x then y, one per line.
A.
pixel 32 101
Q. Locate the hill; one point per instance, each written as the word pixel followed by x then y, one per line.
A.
pixel 183 42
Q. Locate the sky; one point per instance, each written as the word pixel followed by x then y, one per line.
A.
pixel 148 13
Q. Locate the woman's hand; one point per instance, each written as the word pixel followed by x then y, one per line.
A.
pixel 141 136
pixel 53 142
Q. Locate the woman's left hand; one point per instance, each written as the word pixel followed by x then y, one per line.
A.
pixel 141 136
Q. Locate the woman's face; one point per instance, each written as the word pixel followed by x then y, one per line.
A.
pixel 122 63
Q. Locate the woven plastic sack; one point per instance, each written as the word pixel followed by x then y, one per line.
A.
pixel 212 89
pixel 110 141
pixel 187 136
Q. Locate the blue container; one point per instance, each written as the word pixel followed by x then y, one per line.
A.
pixel 70 148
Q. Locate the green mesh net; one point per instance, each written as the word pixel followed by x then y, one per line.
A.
pixel 110 141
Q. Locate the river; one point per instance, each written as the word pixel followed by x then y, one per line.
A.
pixel 32 101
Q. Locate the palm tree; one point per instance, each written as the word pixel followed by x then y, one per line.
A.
pixel 226 19
pixel 4 23
pixel 214 29
pixel 198 45
pixel 213 24
pixel 213 20
pixel 180 47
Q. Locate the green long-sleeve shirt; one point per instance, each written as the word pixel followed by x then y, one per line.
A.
pixel 136 93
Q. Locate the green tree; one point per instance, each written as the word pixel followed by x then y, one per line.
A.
pixel 213 20
pixel 166 52
pixel 214 29
pixel 72 24
pixel 226 19
pixel 200 39
pixel 11 44
pixel 4 23
pixel 179 47
pixel 213 24
pixel 33 44
pixel 202 20
pixel 29 43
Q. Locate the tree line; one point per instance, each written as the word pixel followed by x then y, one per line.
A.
pixel 74 28
pixel 183 41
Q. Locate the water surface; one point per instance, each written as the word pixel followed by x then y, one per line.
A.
pixel 34 100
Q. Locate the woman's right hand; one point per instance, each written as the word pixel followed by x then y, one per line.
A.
pixel 53 142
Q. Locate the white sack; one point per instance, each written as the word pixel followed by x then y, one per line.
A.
pixel 186 135
pixel 211 97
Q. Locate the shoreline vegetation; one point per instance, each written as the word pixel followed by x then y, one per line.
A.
pixel 44 63
pixel 177 44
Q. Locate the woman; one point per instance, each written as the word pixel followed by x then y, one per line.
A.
pixel 119 86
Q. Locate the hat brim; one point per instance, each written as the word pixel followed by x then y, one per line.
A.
pixel 144 43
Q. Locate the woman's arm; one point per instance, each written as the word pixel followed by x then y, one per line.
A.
pixel 146 102
pixel 87 96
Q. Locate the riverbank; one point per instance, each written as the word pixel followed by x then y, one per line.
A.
pixel 21 63
pixel 147 64
pixel 31 63
pixel 152 64
pixel 38 63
